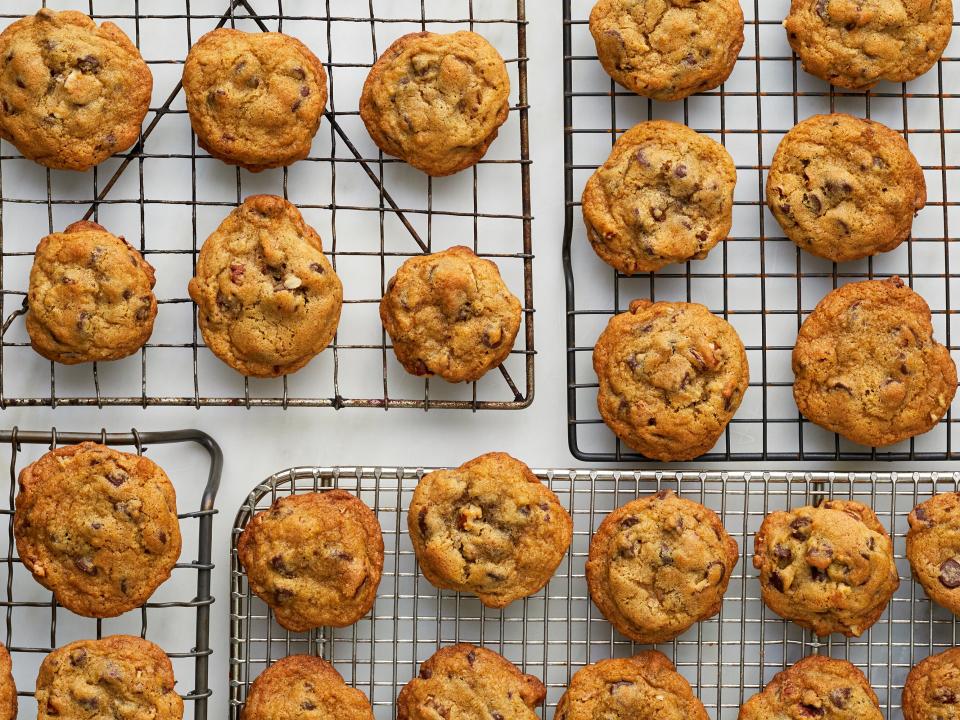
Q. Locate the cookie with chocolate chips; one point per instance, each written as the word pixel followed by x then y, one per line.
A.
pixel 8 689
pixel 658 565
pixel 932 689
pixel 933 549
pixel 98 527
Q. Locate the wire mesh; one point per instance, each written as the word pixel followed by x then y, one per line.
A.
pixel 757 280
pixel 372 211
pixel 558 630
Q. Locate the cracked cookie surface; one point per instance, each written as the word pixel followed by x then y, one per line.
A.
pixel 71 93
pixel 658 565
pixel 8 689
pixel 268 299
pixel 932 689
pixel 437 101
pixel 255 99
pixel 667 49
pixel 933 549
pixel 868 367
pixel 314 558
pixel 665 195
pixel 98 527
pixel 671 376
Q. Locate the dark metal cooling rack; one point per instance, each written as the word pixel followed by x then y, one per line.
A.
pixel 28 607
pixel 372 211
pixel 758 280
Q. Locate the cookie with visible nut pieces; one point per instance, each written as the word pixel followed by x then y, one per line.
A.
pixel 933 548
pixel 932 689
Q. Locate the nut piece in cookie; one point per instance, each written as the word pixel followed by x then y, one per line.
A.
pixel 450 314
pixel 932 689
pixel 437 101
pixel 664 196
pixel 8 689
pixel 667 50
pixel 671 375
pixel 457 680
pixel 488 527
pixel 658 565
pixel 71 93
pixel 118 676
pixel 868 367
pixel 828 568
pixel 844 188
pixel 255 99
pixel 268 300
pixel 314 558
pixel 98 527
pixel 90 297
pixel 933 549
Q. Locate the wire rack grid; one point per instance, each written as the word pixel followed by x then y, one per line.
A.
pixel 177 617
pixel 372 211
pixel 758 280
pixel 557 631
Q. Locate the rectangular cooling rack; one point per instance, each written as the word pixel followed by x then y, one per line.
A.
pixel 557 631
pixel 758 280
pixel 177 617
pixel 372 211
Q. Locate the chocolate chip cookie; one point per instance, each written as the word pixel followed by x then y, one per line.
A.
pixel 667 50
pixel 646 685
pixel 98 527
pixel 467 681
pixel 827 568
pixel 8 689
pixel 488 527
pixel 304 686
pixel 118 676
pixel 664 196
pixel 671 375
pixel 856 44
pixel 658 565
pixel 90 296
pixel 816 686
pixel 268 300
pixel 255 99
pixel 868 367
pixel 450 314
pixel 314 558
pixel 437 101
pixel 933 549
pixel 71 93
pixel 844 188
pixel 932 689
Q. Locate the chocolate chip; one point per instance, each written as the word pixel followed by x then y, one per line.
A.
pixel 680 170
pixel 96 525
pixel 783 553
pixel 632 363
pixel 426 673
pixel 920 514
pixel 945 696
pixel 665 556
pixel 662 494
pixel 144 312
pixel 524 509
pixel 950 574
pixel 253 83
pixel 127 294
pixel 342 556
pixel 689 59
pixel 776 581
pixel 20 83
pixel 237 271
pixel 83 319
pixel 299 73
pixel 304 91
pixel 123 586
pixel 471 657
pixel 162 537
pixel 85 565
pixel 491 340
pixel 811 710
pixel 308 705
pixel 629 522
pixel 278 564
pixel 88 64
pixel 840 697
pixel 117 477
pixel 871 543
pixel 818 574
pixel 281 595
pixel 91 704
pixel 658 214
pixel 422 521
pixel 78 657
pixel 812 203
pixel 317 268
pixel 496 716
pixel 822 9
pixel 296 105
pixel 801 527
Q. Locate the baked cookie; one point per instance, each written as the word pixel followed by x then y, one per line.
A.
pixel 664 196
pixel 437 101
pixel 90 296
pixel 933 549
pixel 8 689
pixel 844 188
pixel 667 50
pixel 314 558
pixel 255 99
pixel 868 367
pixel 816 686
pixel 671 375
pixel 268 300
pixel 827 568
pixel 118 676
pixel 98 527
pixel 450 314
pixel 658 565
pixel 932 689
pixel 71 94
pixel 304 686
pixel 464 681
pixel 856 44
pixel 488 527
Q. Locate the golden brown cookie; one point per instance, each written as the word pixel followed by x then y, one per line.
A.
pixel 8 689
pixel 868 367
pixel 255 99
pixel 932 689
pixel 658 565
pixel 268 300
pixel 437 101
pixel 98 527
pixel 71 93
pixel 933 549
pixel 314 558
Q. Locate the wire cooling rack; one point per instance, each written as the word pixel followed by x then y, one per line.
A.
pixel 372 211
pixel 177 616
pixel 758 280
pixel 557 631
